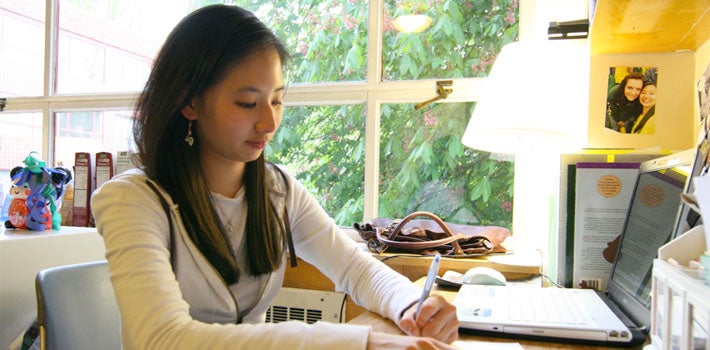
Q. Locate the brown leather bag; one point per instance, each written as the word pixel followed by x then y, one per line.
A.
pixel 428 236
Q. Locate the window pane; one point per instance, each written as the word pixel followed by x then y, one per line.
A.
pixel 424 166
pixel 324 147
pixel 462 41
pixel 20 134
pixel 22 48
pixel 328 39
pixel 108 46
pixel 91 131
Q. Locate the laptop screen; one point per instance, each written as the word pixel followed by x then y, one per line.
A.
pixel 650 223
pixel 687 218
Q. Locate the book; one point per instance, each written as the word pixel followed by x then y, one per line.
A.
pixel 566 200
pixel 123 161
pixel 82 189
pixel 104 168
pixel 602 196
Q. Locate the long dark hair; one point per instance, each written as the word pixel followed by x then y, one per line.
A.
pixel 197 54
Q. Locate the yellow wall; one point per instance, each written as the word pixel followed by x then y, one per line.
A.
pixel 702 63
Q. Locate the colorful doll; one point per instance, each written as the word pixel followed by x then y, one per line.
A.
pixel 43 190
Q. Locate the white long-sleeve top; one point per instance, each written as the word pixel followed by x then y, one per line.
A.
pixel 192 308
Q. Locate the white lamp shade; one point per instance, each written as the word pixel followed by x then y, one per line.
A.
pixel 536 99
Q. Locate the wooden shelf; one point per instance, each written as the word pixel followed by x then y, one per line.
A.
pixel 644 26
pixel 512 266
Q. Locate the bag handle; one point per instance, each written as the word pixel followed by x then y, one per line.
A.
pixel 451 238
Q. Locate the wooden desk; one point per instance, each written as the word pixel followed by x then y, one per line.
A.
pixel 381 324
pixel 512 266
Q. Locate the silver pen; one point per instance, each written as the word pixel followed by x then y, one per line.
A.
pixel 430 277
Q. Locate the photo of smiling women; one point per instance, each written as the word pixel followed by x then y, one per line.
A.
pixel 624 108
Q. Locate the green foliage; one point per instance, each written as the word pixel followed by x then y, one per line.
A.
pixel 324 148
pixel 423 165
pixel 464 39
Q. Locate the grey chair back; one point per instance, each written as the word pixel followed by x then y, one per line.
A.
pixel 76 308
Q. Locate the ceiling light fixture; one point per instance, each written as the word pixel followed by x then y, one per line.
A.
pixel 412 23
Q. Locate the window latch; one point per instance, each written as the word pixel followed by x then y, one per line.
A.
pixel 442 91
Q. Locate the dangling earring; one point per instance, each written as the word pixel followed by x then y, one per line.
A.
pixel 189 139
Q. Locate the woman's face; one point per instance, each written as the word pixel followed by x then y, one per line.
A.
pixel 648 96
pixel 633 89
pixel 236 118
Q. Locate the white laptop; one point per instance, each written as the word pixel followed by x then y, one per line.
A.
pixel 619 316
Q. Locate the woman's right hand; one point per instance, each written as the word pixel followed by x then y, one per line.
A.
pixel 378 341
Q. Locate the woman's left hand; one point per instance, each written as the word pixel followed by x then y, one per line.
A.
pixel 437 319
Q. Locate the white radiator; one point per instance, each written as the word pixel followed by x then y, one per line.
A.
pixel 307 305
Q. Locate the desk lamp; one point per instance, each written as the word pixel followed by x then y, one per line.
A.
pixel 535 107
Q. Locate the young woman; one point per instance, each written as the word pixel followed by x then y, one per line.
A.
pixel 622 104
pixel 197 239
pixel 645 122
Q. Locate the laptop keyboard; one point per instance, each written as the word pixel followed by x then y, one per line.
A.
pixel 553 306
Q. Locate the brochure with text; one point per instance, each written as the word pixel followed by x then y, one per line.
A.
pixel 602 195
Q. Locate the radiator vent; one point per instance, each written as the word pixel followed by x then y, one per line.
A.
pixel 307 305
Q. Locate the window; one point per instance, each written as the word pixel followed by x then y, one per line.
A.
pixel 350 133
pixel 328 39
pixel 461 42
pixel 108 130
pixel 324 146
pixel 332 47
pixel 424 166
pixel 20 134
pixel 22 46
pixel 108 46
